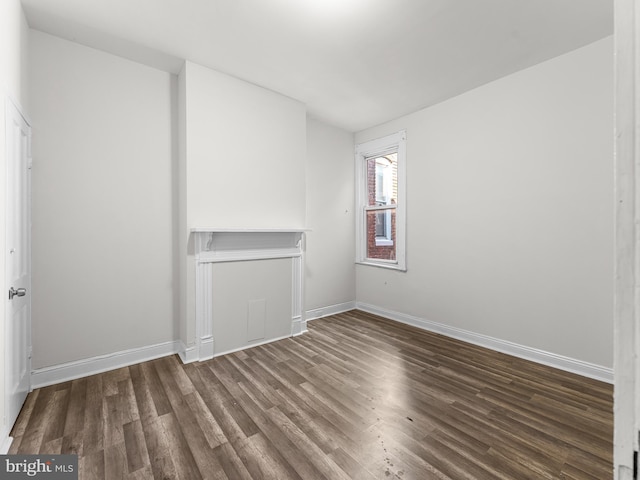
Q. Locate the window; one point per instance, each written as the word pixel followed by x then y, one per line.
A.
pixel 380 194
pixel 383 172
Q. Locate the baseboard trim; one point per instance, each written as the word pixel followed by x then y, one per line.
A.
pixel 321 312
pixel 251 345
pixel 42 377
pixel 46 376
pixel 560 362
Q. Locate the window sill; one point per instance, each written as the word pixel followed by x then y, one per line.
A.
pixel 387 265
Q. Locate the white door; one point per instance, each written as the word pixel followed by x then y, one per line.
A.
pixel 18 261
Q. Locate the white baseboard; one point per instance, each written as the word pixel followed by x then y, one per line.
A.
pixel 42 377
pixel 330 310
pixel 251 345
pixel 5 441
pixel 560 362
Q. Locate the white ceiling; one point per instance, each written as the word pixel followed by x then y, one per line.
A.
pixel 354 63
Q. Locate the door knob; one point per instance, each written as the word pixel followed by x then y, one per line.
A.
pixel 21 292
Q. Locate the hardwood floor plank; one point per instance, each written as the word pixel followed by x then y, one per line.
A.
pixel 159 449
pixel 210 428
pixel 73 444
pixel 145 473
pixel 32 438
pixel 330 410
pixel 112 419
pixel 266 423
pixel 304 419
pixel 186 466
pixel 181 378
pixel 144 402
pixel 235 421
pixel 155 439
pixel 386 457
pixel 314 453
pixel 135 446
pixel 93 417
pixel 158 395
pixel 189 427
pixel 231 463
pixel 53 447
pixel 75 409
pixel 262 460
pixel 91 466
pixel 127 401
pixel 115 461
pixel 582 465
pixel 111 379
pixel 349 465
pixel 357 397
pixel 206 383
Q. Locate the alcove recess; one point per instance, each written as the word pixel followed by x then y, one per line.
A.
pixel 249 287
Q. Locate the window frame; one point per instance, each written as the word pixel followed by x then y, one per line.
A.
pixel 394 143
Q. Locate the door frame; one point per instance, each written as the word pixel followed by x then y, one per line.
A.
pixel 627 238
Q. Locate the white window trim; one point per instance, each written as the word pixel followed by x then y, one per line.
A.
pixel 391 143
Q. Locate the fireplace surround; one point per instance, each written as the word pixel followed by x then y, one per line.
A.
pixel 215 246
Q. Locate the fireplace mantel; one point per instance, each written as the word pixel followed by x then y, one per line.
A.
pixel 228 245
pixel 215 245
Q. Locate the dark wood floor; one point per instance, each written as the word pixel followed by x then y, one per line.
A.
pixel 358 397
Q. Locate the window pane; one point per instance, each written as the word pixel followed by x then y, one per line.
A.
pixel 382 180
pixel 381 234
pixel 381 224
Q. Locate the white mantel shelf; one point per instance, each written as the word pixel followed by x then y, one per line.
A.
pixel 247 230
pixel 213 245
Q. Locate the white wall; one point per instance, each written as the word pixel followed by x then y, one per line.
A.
pixel 14 33
pixel 14 47
pixel 103 206
pixel 510 217
pixel 242 161
pixel 245 153
pixel 330 252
